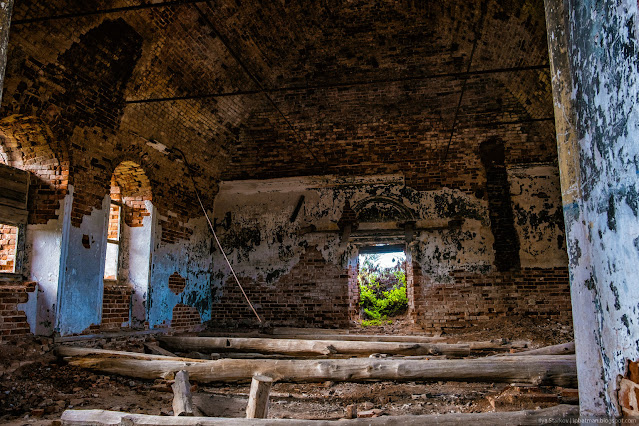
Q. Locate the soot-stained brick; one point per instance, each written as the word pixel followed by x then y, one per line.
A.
pixel 502 221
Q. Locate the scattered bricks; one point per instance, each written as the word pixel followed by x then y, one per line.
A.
pixel 517 397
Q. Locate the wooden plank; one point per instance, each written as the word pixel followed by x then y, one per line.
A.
pixel 12 215
pixel 257 407
pixel 182 401
pixel 528 417
pixel 13 174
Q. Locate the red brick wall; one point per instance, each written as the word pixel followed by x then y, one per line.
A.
pixel 474 297
pixel 115 305
pixel 114 222
pixel 176 283
pixel 13 322
pixel 8 245
pixel 313 293
pixel 353 291
pixel 185 318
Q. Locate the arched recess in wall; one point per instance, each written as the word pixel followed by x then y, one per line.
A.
pixel 130 237
pixel 27 143
pixel 382 209
pixel 384 225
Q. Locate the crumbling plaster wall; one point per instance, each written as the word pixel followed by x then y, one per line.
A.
pixel 253 219
pixel 594 49
pixel 192 259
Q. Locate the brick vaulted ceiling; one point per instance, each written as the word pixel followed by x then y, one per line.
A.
pixel 368 86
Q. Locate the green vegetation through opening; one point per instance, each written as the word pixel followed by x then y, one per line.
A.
pixel 382 285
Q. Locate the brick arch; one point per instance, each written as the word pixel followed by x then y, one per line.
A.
pixel 381 209
pixel 131 186
pixel 27 143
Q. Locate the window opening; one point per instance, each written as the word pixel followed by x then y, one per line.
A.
pixel 111 265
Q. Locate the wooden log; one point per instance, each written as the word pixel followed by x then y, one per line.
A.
pixel 559 370
pixel 528 417
pixel 182 401
pixel 75 351
pixel 562 349
pixel 311 347
pixel 257 407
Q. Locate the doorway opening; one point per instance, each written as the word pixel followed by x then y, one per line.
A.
pixel 381 279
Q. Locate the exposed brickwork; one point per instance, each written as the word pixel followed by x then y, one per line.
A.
pixel 116 303
pixel 353 292
pixel 8 245
pixel 29 145
pixel 474 297
pixel 313 293
pixel 176 283
pixel 131 186
pixel 113 231
pixel 13 322
pixel 502 222
pixel 173 231
pixel 185 318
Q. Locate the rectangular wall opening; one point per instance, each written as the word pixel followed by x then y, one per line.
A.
pixel 381 278
pixel 114 232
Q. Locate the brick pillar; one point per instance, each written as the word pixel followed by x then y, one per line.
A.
pixel 353 288
pixel 593 51
pixel 414 291
pixel 6 7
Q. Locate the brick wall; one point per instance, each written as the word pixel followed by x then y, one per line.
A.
pixel 185 318
pixel 472 297
pixel 313 293
pixel 116 302
pixel 13 323
pixel 8 245
pixel 113 230
pixel 176 283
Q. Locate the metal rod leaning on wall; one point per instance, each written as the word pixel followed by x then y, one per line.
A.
pixel 217 240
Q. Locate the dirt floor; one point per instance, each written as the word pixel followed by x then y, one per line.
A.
pixel 36 387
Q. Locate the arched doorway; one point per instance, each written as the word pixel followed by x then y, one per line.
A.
pixel 129 247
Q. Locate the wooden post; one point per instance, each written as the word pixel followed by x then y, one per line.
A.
pixel 257 407
pixel 182 402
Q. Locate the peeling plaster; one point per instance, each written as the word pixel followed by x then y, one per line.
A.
pixel 594 50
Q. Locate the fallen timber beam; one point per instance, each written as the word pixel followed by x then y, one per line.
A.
pixel 310 347
pixel 528 417
pixel 76 351
pixel 558 370
pixel 562 349
pixel 322 336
